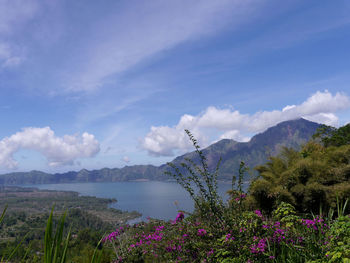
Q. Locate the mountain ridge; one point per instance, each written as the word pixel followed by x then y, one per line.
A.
pixel 291 133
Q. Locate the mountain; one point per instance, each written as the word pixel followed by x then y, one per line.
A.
pixel 289 133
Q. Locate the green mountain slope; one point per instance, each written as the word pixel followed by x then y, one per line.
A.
pixel 255 152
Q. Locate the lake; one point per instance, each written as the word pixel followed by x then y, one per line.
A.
pixel 152 198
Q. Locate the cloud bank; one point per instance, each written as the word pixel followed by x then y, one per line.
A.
pixel 58 150
pixel 231 124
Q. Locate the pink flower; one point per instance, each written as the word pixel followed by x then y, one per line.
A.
pixel 201 232
pixel 229 237
pixel 159 228
pixel 258 248
pixel 209 253
pixel 258 213
pixel 180 216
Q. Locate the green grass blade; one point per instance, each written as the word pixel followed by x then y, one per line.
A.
pixel 48 239
pixel 17 247
pixel 3 214
pixel 95 259
pixel 64 254
pixel 345 205
pixel 58 239
pixel 26 253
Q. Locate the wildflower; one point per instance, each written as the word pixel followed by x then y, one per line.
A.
pixel 229 237
pixel 258 213
pixel 258 248
pixel 201 232
pixel 209 253
pixel 159 228
pixel 112 236
pixel 180 216
pixel 241 197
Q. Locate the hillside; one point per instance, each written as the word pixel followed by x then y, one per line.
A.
pixel 255 152
pixel 268 143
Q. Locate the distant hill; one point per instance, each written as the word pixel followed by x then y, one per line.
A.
pixel 289 133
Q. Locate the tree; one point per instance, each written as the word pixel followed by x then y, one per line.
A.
pixel 331 136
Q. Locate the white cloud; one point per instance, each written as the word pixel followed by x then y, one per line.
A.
pixel 325 118
pixel 126 159
pixel 234 135
pixel 58 150
pixel 152 27
pixel 164 140
pixel 288 107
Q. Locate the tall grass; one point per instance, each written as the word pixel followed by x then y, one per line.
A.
pixel 55 247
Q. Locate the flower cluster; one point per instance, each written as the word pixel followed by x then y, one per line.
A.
pixel 180 216
pixel 257 237
pixel 259 247
pixel 202 232
pixel 316 224
pixel 113 235
pixel 240 197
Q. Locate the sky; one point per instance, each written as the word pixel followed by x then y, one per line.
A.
pixel 94 84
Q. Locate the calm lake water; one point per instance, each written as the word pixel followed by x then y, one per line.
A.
pixel 152 198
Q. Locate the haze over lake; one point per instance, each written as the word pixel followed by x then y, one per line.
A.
pixel 152 198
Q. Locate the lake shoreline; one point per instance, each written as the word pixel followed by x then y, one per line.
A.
pixel 156 199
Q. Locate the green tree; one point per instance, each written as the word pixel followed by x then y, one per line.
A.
pixel 309 179
pixel 331 136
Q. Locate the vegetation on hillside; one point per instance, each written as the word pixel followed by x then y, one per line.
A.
pixel 28 211
pixel 310 180
pixel 296 210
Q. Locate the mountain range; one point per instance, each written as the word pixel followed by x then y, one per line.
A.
pixel 292 134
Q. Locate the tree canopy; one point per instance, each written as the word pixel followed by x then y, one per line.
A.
pixel 310 179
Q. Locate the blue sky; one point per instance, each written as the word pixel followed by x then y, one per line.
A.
pixel 91 84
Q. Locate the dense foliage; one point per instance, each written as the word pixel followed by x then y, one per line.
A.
pixel 310 179
pixel 89 218
pixel 331 136
pixel 86 232
pixel 253 237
